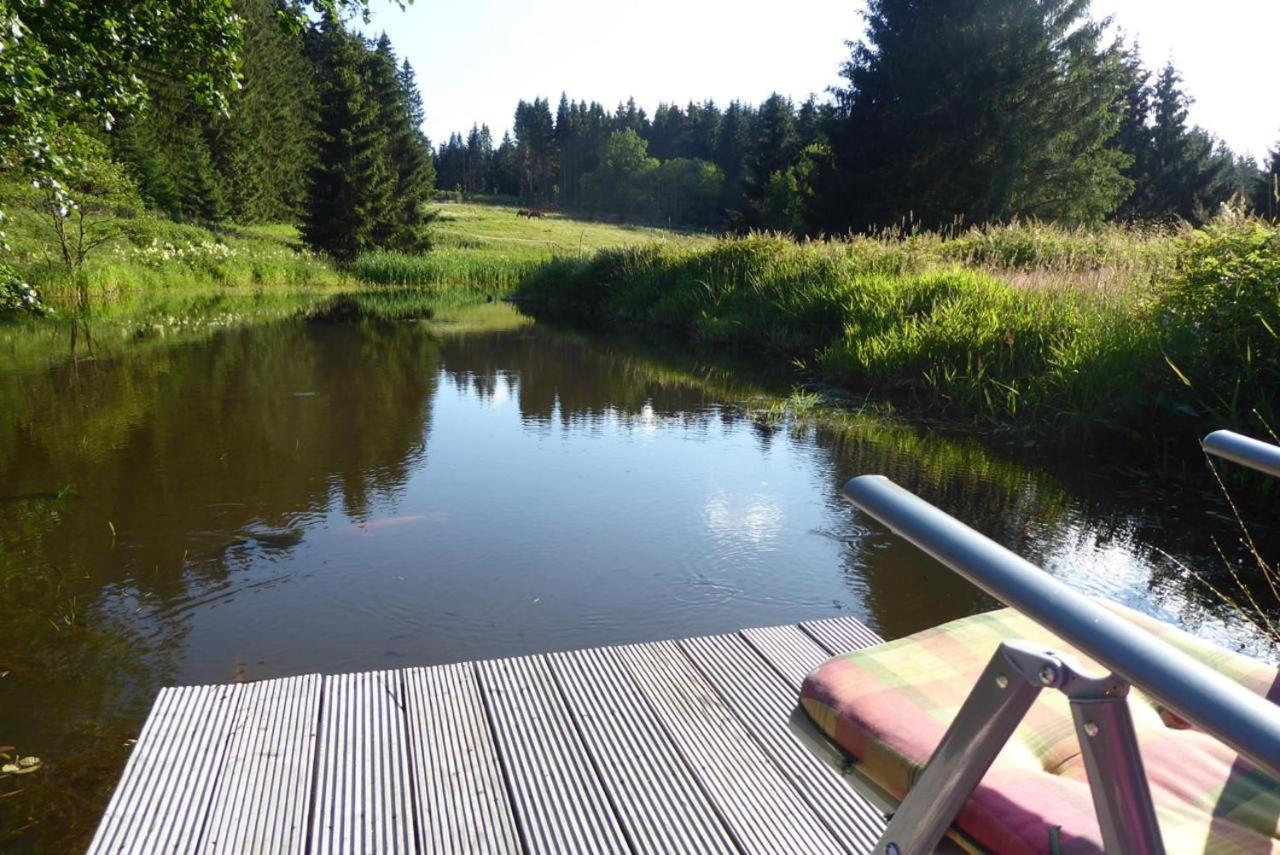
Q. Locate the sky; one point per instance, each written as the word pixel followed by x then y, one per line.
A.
pixel 476 58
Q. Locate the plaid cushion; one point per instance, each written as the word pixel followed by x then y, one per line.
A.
pixel 889 706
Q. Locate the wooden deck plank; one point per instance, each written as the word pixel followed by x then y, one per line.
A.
pixel 263 795
pixel 661 805
pixel 162 799
pixel 788 650
pixel 841 635
pixel 760 805
pixel 362 800
pixel 767 705
pixel 560 804
pixel 695 746
pixel 462 803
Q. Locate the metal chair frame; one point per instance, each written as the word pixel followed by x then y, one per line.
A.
pixel 1018 672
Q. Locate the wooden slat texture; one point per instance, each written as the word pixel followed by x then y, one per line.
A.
pixel 767 705
pixel 560 804
pixel 841 635
pixel 658 799
pixel 787 649
pixel 264 792
pixel 695 746
pixel 462 803
pixel 162 799
pixel 761 807
pixel 362 800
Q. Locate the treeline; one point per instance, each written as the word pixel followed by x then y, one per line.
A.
pixel 323 130
pixel 950 113
pixel 698 165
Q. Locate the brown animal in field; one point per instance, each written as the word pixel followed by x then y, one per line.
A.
pixel 533 215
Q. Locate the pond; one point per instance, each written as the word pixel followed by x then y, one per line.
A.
pixel 300 497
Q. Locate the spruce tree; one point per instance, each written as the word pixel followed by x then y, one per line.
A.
pixel 1188 175
pixel 400 204
pixel 667 131
pixel 536 145
pixel 810 123
pixel 264 145
pixel 630 117
pixel 569 142
pixel 733 143
pixel 775 144
pixel 168 148
pixel 250 162
pixel 703 130
pixel 1266 191
pixel 1134 138
pixel 506 168
pixel 451 164
pixel 479 153
pixel 350 183
pixel 421 172
pixel 980 110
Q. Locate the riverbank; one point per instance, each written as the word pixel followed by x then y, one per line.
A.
pixel 150 261
pixel 1117 335
pixel 156 281
pixel 1121 336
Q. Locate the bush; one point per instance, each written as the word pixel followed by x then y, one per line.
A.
pixel 1220 319
pixel 18 297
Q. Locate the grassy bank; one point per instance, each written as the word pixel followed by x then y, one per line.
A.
pixel 1120 333
pixel 491 246
pixel 150 257
pixel 150 263
pixel 1143 335
pixel 156 282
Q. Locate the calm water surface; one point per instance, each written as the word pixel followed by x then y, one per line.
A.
pixel 304 497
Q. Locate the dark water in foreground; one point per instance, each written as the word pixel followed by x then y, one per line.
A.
pixel 300 497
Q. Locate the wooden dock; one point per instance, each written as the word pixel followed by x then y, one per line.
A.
pixel 695 745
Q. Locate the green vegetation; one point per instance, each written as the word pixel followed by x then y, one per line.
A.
pixel 1075 335
pixel 372 171
pixel 491 247
pixel 282 113
pixel 142 260
pixel 77 74
pixel 262 111
pixel 154 282
pixel 169 170
pixel 1051 117
pixel 145 258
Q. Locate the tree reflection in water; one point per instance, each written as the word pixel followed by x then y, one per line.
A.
pixel 304 496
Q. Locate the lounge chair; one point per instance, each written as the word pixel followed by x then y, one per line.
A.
pixel 1016 731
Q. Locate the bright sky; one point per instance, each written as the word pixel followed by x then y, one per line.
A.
pixel 476 58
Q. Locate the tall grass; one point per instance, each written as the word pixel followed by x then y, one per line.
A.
pixel 482 271
pixel 154 259
pixel 1124 333
pixel 484 248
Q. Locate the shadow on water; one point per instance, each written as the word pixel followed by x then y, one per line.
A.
pixel 324 496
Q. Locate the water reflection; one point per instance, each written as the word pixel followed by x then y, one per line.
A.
pixel 322 497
